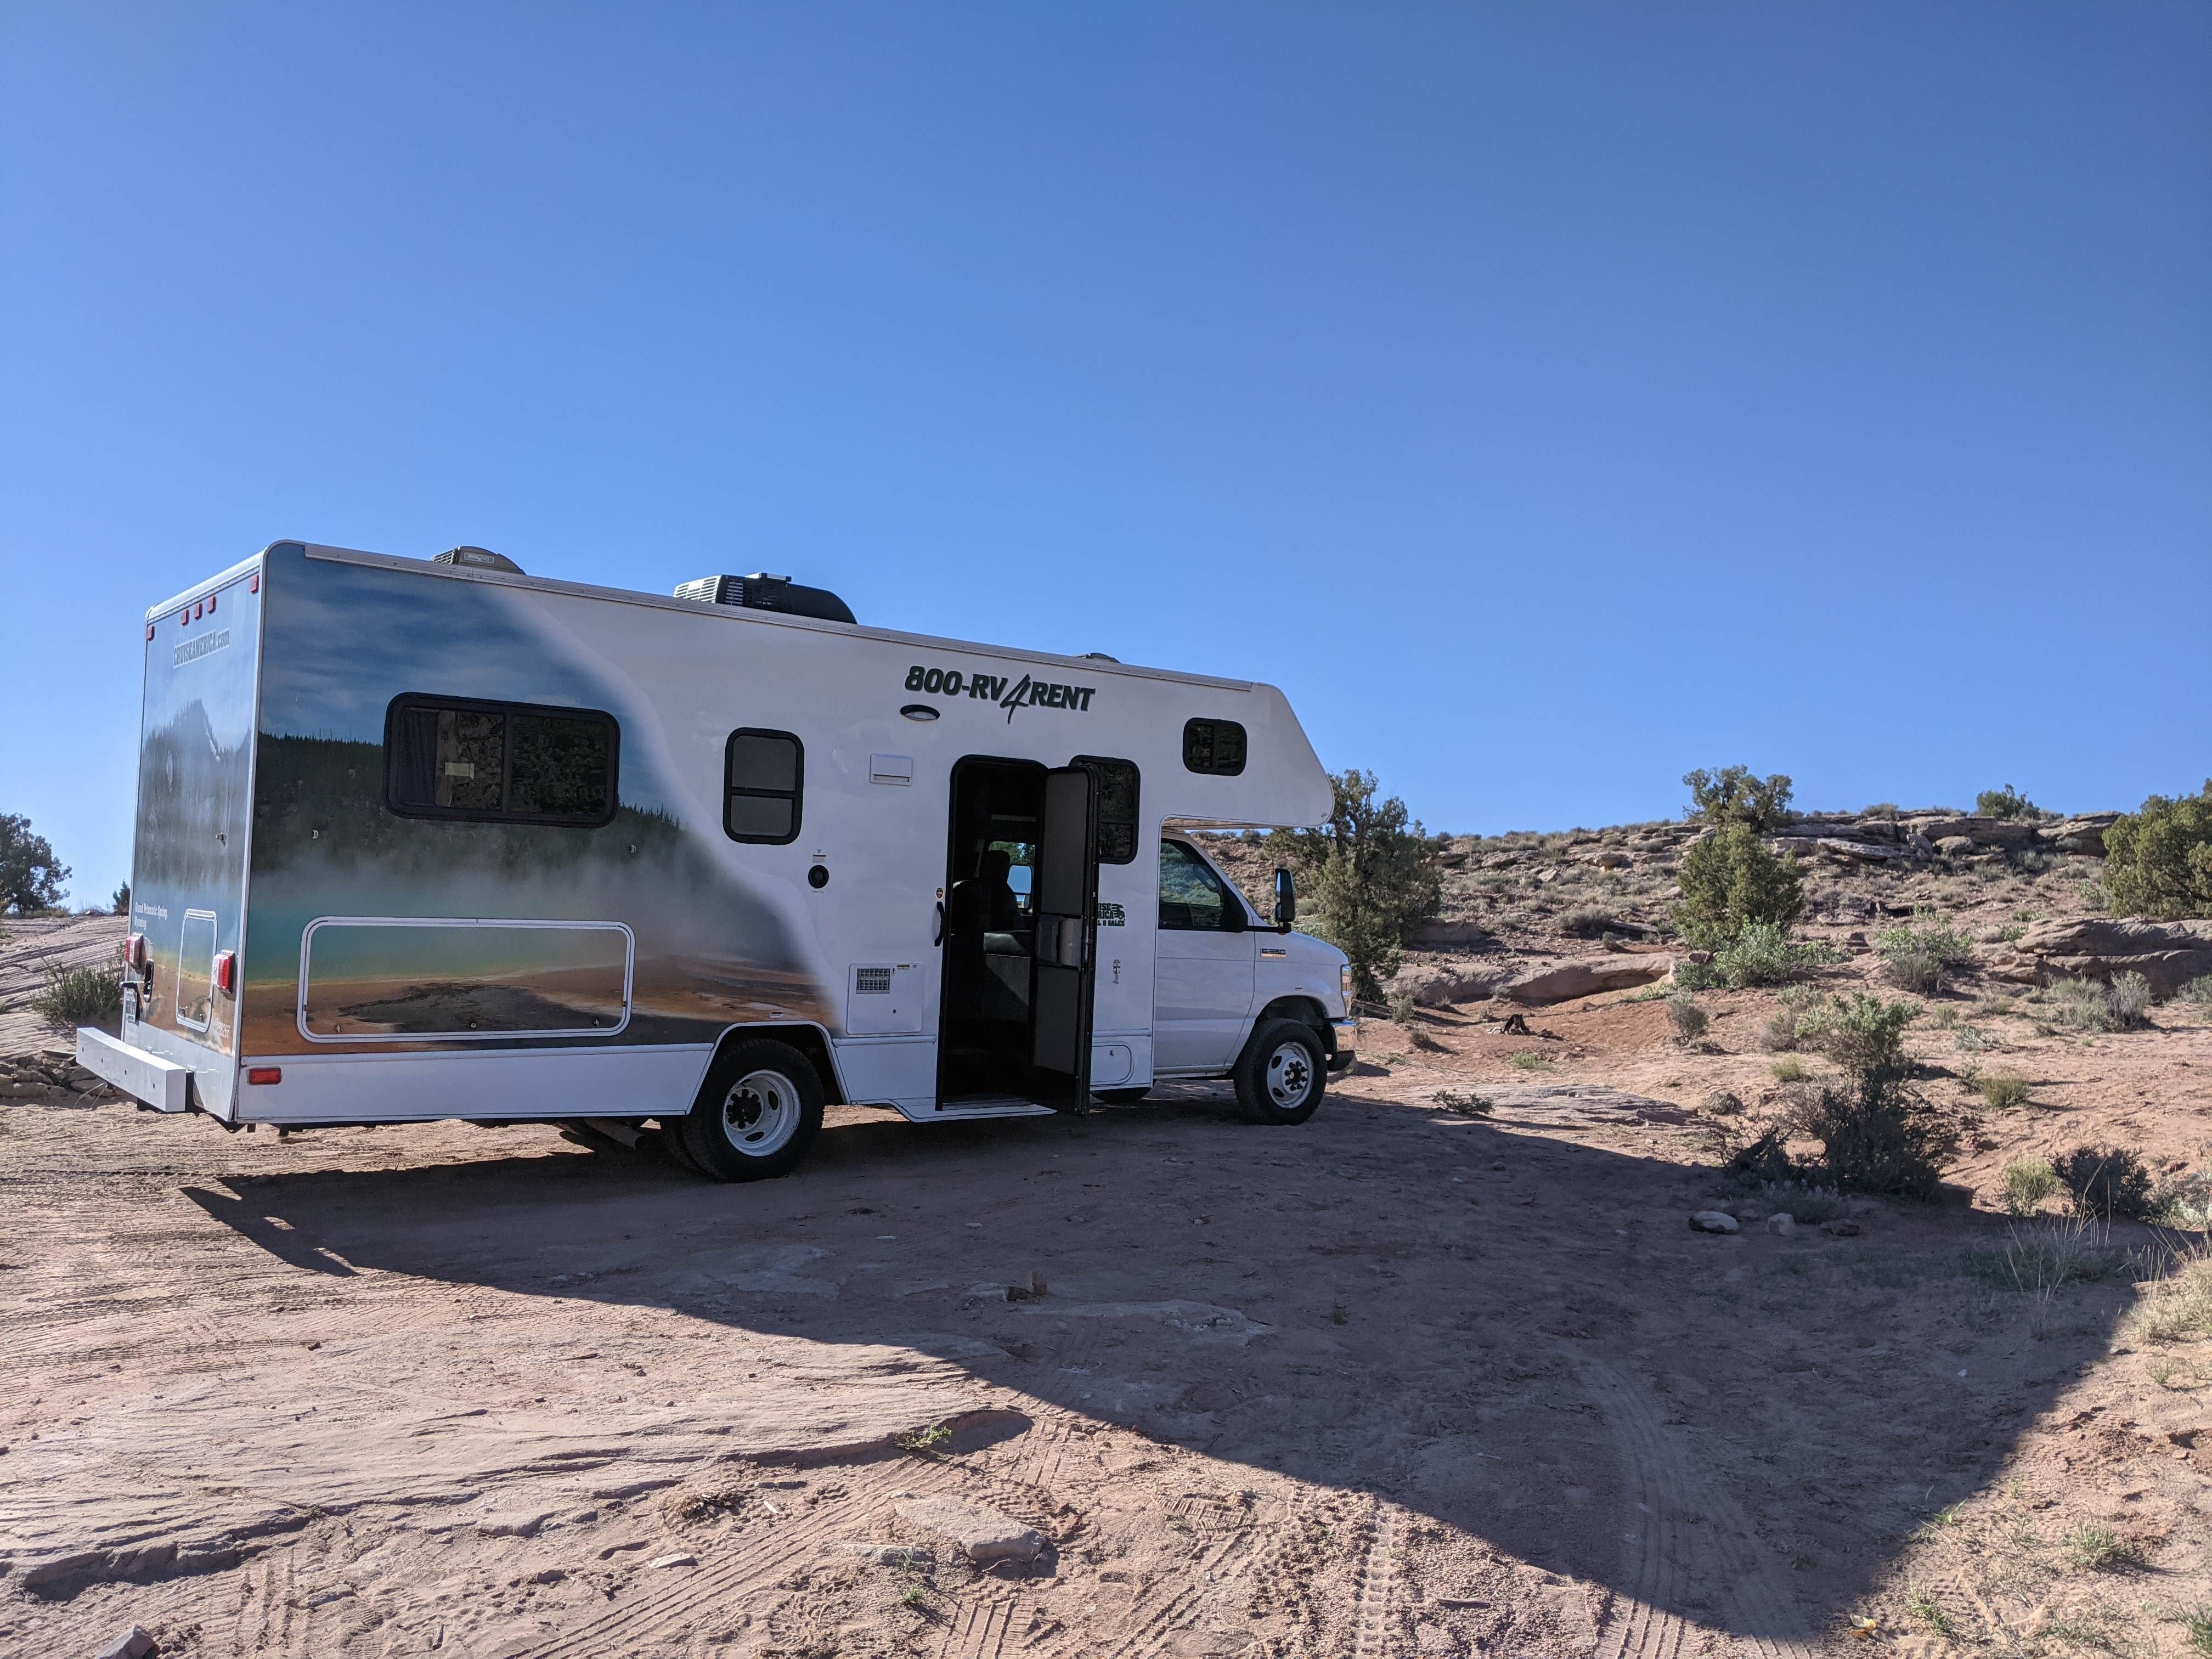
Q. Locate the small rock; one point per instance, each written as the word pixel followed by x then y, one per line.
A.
pixel 1782 1224
pixel 513 1523
pixel 1713 1221
pixel 1841 1227
pixel 990 1292
pixel 983 1535
pixel 681 1559
pixel 134 1644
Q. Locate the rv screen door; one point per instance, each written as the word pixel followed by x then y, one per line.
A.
pixel 1067 900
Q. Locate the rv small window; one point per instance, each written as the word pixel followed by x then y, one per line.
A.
pixel 500 762
pixel 763 774
pixel 1117 807
pixel 1214 746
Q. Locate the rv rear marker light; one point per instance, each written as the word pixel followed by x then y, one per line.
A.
pixel 226 971
pixel 150 630
pixel 253 583
pixel 265 1074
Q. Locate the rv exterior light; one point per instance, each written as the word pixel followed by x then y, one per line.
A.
pixel 919 711
pixel 265 1074
pixel 226 972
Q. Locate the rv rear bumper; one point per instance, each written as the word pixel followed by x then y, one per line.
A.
pixel 161 1084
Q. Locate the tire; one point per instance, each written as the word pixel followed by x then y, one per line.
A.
pixel 1282 1075
pixel 1121 1097
pixel 756 1115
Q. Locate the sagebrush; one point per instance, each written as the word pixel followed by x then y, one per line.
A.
pixel 2107 1182
pixel 80 996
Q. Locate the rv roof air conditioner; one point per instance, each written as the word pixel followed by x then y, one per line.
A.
pixel 479 558
pixel 760 592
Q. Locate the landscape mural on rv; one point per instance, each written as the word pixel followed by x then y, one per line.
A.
pixel 188 866
pixel 710 948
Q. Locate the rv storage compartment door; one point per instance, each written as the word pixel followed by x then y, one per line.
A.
pixel 1067 900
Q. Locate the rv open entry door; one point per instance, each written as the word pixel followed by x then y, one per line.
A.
pixel 1066 901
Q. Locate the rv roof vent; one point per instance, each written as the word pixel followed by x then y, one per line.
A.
pixel 479 558
pixel 759 591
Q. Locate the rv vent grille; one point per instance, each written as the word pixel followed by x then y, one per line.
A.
pixel 871 982
pixel 762 591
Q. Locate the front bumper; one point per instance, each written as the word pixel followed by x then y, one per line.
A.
pixel 161 1084
pixel 1346 1032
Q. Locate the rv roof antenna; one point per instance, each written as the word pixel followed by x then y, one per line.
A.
pixel 479 558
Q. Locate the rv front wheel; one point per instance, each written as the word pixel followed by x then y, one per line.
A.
pixel 1280 1076
pixel 757 1113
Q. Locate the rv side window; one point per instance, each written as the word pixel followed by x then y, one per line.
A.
pixel 1117 807
pixel 1193 899
pixel 762 775
pixel 500 762
pixel 1214 746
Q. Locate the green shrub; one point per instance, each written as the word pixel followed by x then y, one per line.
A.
pixel 1371 875
pixel 2027 1182
pixel 2002 1090
pixel 1731 878
pixel 1883 809
pixel 1790 1069
pixel 2005 802
pixel 2128 1001
pixel 1735 794
pixel 31 878
pixel 2107 1182
pixel 2185 1200
pixel 1760 954
pixel 2083 1005
pixel 1589 921
pixel 2198 991
pixel 1919 954
pixel 1863 1034
pixel 1689 1019
pixel 80 996
pixel 2157 861
pixel 1876 1133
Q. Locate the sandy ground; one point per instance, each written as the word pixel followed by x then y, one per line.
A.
pixel 1398 1381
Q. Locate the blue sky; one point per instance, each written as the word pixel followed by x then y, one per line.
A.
pixel 1551 398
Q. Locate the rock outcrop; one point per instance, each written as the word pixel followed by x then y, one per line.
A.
pixel 2168 954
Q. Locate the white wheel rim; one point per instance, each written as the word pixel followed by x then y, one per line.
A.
pixel 1289 1075
pixel 760 1114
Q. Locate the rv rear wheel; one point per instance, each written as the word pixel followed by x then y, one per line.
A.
pixel 1281 1073
pixel 757 1113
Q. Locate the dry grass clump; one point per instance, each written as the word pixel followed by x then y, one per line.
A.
pixel 2002 1091
pixel 2176 1301
pixel 80 996
pixel 2028 1182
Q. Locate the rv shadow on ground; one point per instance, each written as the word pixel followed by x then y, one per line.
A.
pixel 1513 1333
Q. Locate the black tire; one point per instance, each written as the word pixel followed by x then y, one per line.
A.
pixel 1121 1097
pixel 756 1115
pixel 1282 1075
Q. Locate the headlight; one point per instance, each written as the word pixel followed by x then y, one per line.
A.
pixel 1344 981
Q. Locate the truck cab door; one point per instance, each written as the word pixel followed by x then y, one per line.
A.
pixel 1066 898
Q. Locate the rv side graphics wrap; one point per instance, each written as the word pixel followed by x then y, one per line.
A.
pixel 656 937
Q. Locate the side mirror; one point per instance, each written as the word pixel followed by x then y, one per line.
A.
pixel 1287 901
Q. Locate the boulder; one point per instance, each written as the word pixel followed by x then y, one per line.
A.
pixel 1841 847
pixel 1982 832
pixel 1449 936
pixel 2082 832
pixel 1954 846
pixel 1584 976
pixel 2168 954
pixel 1713 1221
pixel 134 1644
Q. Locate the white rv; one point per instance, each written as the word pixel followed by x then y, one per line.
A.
pixel 423 839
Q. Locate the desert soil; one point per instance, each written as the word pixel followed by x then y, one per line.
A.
pixel 1443 1371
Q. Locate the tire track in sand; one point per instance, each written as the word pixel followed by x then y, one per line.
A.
pixel 1662 1553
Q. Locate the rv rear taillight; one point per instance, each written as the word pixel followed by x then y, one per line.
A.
pixel 265 1074
pixel 134 950
pixel 226 972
